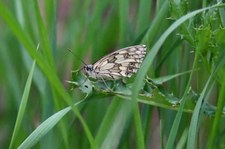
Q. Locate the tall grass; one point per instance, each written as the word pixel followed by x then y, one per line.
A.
pixel 181 106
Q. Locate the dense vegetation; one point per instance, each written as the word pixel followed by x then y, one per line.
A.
pixel 181 106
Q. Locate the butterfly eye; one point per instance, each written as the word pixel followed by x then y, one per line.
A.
pixel 85 68
pixel 89 68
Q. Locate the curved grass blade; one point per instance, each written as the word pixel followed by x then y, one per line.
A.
pixel 45 127
pixel 170 77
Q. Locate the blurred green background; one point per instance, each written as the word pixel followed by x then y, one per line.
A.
pixel 180 35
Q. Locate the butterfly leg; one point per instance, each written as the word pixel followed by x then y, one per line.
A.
pixel 118 83
pixel 108 88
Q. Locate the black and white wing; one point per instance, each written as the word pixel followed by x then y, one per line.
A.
pixel 121 63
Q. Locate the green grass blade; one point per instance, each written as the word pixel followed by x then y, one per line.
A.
pixel 51 21
pixel 123 16
pixel 195 118
pixel 138 126
pixel 143 15
pixel 222 15
pixel 155 26
pixel 44 40
pixel 44 128
pixel 169 77
pixel 183 140
pixel 113 124
pixel 217 119
pixel 22 107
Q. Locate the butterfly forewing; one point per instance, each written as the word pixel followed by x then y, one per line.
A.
pixel 121 63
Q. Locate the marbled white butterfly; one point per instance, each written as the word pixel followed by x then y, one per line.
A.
pixel 121 63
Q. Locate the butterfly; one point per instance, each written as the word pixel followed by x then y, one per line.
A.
pixel 119 64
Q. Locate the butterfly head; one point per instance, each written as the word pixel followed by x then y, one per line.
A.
pixel 88 69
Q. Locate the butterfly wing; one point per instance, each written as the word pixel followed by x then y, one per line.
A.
pixel 121 63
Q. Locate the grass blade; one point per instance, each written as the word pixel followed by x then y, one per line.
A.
pixel 22 107
pixel 44 128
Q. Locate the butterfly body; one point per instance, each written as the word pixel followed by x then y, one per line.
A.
pixel 121 63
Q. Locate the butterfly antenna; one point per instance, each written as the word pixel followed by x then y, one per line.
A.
pixel 76 56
